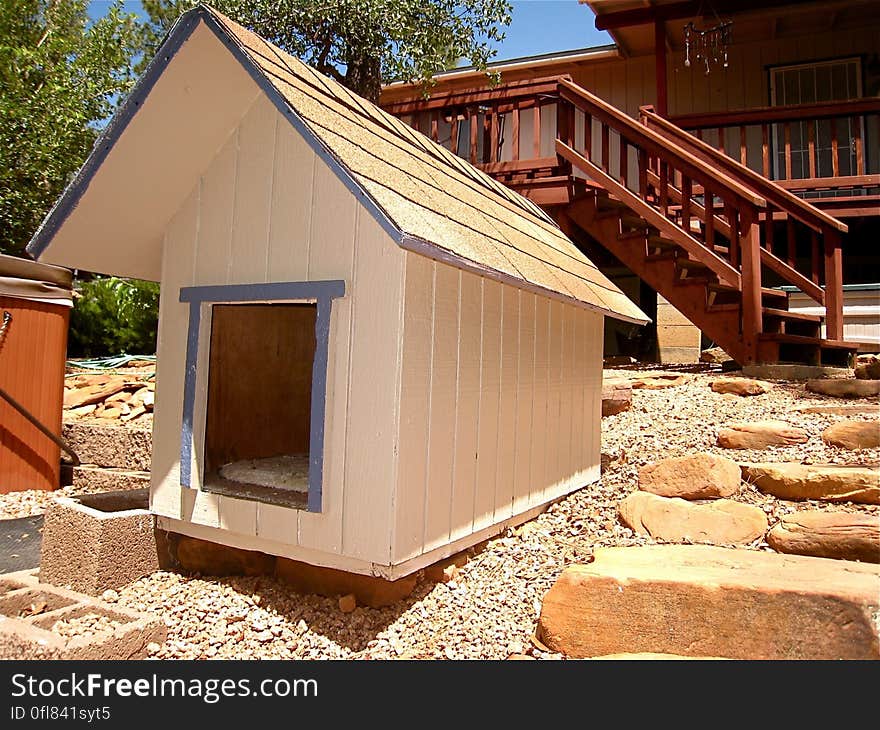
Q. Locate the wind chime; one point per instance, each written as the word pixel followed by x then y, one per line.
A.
pixel 708 46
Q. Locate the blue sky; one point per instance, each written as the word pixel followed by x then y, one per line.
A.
pixel 538 26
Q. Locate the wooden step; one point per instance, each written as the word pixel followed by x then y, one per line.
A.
pixel 809 341
pixel 604 203
pixel 633 221
pixel 766 293
pixel 786 314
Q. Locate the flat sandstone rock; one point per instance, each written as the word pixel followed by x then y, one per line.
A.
pixel 696 476
pixel 760 435
pixel 845 387
pixel 842 535
pixel 616 397
pixel 698 600
pixel 830 483
pixel 741 386
pixel 853 435
pixel 721 522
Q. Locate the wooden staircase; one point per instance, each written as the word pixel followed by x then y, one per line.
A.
pixel 702 229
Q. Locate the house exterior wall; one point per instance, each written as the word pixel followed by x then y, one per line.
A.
pixel 500 406
pixel 268 209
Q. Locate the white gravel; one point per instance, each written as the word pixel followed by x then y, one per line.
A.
pixel 490 609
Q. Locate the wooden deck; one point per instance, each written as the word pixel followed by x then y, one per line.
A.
pixel 694 214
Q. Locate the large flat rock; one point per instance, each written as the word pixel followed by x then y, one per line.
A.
pixel 719 522
pixel 829 482
pixel 844 535
pixel 853 435
pixel 845 387
pixel 698 600
pixel 695 476
pixel 761 435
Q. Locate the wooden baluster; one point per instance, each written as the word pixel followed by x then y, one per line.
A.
pixel 435 126
pixel 857 142
pixel 664 188
pixel 835 151
pixel 623 162
pixel 700 134
pixel 606 143
pixel 833 285
pixel 643 174
pixel 453 138
pixel 686 186
pixel 514 149
pixel 493 136
pixel 721 140
pixel 768 228
pixel 811 146
pixel 731 215
pixel 752 316
pixel 709 204
pixel 791 241
pixel 787 132
pixel 743 147
pixel 815 258
pixel 588 136
pixel 536 128
pixel 474 115
pixel 765 150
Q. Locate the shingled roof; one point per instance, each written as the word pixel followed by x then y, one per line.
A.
pixel 429 200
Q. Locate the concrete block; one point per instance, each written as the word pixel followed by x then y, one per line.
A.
pixel 98 541
pixel 122 447
pixel 39 621
pixel 88 478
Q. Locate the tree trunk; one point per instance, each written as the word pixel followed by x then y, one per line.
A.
pixel 364 77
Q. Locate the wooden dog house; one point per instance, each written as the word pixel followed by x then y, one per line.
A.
pixel 371 355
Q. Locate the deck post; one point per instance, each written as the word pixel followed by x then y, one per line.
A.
pixel 833 285
pixel 660 66
pixel 750 257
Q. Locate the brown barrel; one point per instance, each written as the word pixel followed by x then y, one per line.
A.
pixel 32 355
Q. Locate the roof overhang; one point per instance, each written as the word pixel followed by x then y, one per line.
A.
pixel 112 217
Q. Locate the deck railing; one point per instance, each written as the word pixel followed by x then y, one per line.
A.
pixel 711 206
pixel 805 147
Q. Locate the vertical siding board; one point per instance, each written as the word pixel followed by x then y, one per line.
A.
pixel 566 392
pixel 444 365
pixel 489 455
pixel 178 260
pixel 554 429
pixel 593 387
pixel 579 352
pixel 467 404
pixel 253 193
pixel 526 385
pixel 415 387
pixel 330 254
pixel 215 216
pixel 540 404
pixel 508 408
pixel 371 438
pixel 291 216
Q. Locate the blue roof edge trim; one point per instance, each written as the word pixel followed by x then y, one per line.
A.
pixel 173 42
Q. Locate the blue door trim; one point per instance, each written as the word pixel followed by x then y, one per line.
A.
pixel 322 293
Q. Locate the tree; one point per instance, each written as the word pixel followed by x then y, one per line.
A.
pixel 60 79
pixel 364 43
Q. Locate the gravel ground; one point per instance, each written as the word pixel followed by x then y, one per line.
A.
pixel 490 610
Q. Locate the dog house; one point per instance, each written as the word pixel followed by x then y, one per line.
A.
pixel 371 355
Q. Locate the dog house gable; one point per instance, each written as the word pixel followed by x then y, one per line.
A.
pixel 336 292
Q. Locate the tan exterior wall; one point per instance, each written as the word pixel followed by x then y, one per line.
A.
pixel 500 405
pixel 267 209
pixel 677 339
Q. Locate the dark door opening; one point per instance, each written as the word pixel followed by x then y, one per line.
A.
pixel 259 401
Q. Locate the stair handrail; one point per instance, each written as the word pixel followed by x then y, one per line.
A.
pixel 775 194
pixel 643 136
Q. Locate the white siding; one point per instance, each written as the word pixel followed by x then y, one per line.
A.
pixel 266 210
pixel 500 406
